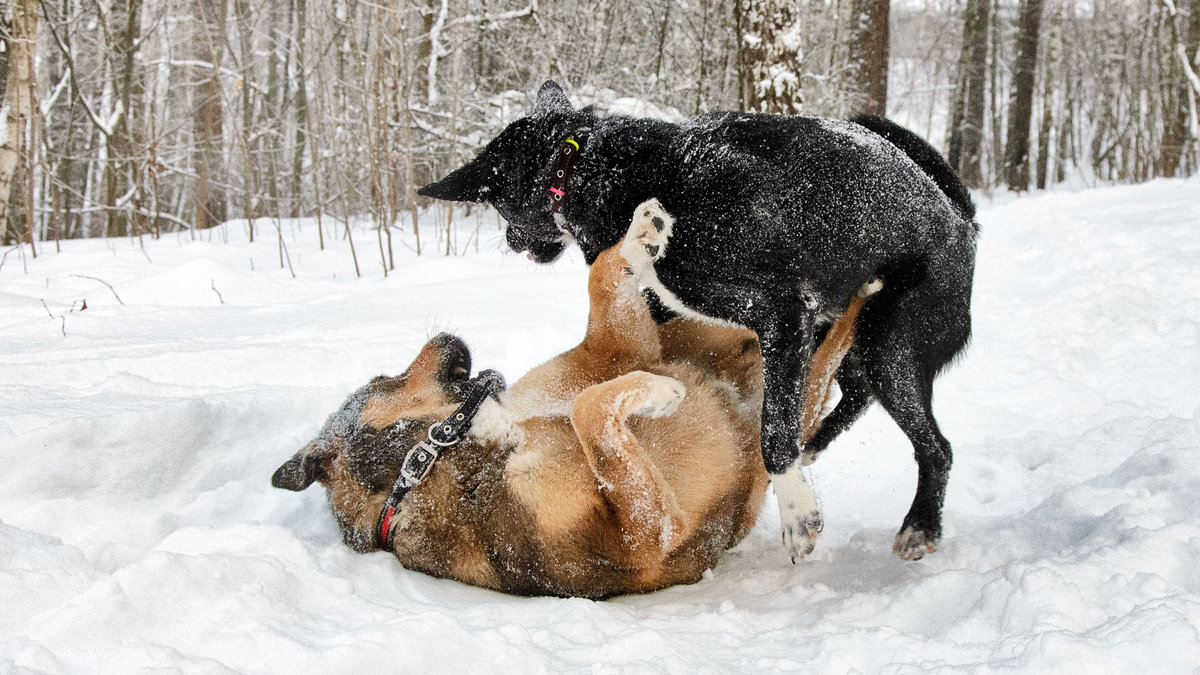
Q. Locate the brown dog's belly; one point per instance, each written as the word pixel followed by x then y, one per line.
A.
pixel 571 542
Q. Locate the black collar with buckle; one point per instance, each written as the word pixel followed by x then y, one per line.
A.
pixel 441 437
pixel 564 165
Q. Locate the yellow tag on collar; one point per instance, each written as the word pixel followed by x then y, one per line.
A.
pixel 572 142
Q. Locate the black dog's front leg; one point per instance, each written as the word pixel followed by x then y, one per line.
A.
pixel 787 349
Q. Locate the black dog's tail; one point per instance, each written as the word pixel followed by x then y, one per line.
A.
pixel 926 157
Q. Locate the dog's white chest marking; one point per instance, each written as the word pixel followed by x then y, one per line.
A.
pixel 496 422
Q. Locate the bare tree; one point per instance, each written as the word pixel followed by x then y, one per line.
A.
pixel 18 116
pixel 965 143
pixel 208 40
pixel 1051 66
pixel 869 53
pixel 1020 102
pixel 120 189
pixel 768 56
pixel 1182 99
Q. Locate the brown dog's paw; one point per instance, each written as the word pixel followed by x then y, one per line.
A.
pixel 659 395
pixel 649 231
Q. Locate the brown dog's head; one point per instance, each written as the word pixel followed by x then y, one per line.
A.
pixel 358 453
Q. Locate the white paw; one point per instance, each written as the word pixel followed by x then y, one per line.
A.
pixel 807 457
pixel 870 288
pixel 661 396
pixel 913 544
pixel 799 518
pixel 646 240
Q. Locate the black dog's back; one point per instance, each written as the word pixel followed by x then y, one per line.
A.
pixel 925 156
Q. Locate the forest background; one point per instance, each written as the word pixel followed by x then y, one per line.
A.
pixel 130 118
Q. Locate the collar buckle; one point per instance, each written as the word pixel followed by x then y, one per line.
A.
pixel 419 462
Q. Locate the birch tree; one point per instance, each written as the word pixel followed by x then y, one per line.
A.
pixel 17 122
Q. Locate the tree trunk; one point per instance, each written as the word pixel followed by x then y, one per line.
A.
pixel 1020 102
pixel 208 39
pixel 301 110
pixel 966 127
pixel 119 180
pixel 274 103
pixel 1052 46
pixel 768 56
pixel 869 53
pixel 241 11
pixel 18 110
pixel 1183 97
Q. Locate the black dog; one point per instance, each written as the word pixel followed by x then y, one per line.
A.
pixel 777 223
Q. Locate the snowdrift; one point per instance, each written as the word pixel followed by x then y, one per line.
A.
pixel 137 438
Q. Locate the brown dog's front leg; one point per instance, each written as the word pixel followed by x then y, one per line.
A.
pixel 646 509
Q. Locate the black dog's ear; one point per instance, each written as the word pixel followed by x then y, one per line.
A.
pixel 298 472
pixel 470 183
pixel 550 99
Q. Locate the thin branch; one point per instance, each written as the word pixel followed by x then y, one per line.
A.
pixel 114 291
pixel 5 256
pixel 66 53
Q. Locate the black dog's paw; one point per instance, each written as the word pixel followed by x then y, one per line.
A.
pixel 913 544
pixel 649 231
pixel 800 535
pixel 808 456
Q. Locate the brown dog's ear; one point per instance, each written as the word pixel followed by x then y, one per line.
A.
pixel 470 183
pixel 298 472
pixel 551 99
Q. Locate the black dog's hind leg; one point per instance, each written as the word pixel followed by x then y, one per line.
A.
pixel 906 391
pixel 787 349
pixel 856 396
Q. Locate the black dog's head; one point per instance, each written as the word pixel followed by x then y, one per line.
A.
pixel 513 174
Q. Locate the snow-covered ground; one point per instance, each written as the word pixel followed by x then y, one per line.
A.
pixel 138 528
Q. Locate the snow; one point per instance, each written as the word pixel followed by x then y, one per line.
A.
pixel 138 528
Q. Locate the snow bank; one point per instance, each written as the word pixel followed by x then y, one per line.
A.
pixel 138 528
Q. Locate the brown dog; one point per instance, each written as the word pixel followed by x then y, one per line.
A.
pixel 624 465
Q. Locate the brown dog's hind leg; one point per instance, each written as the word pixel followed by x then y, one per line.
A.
pixel 643 503
pixel 825 364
